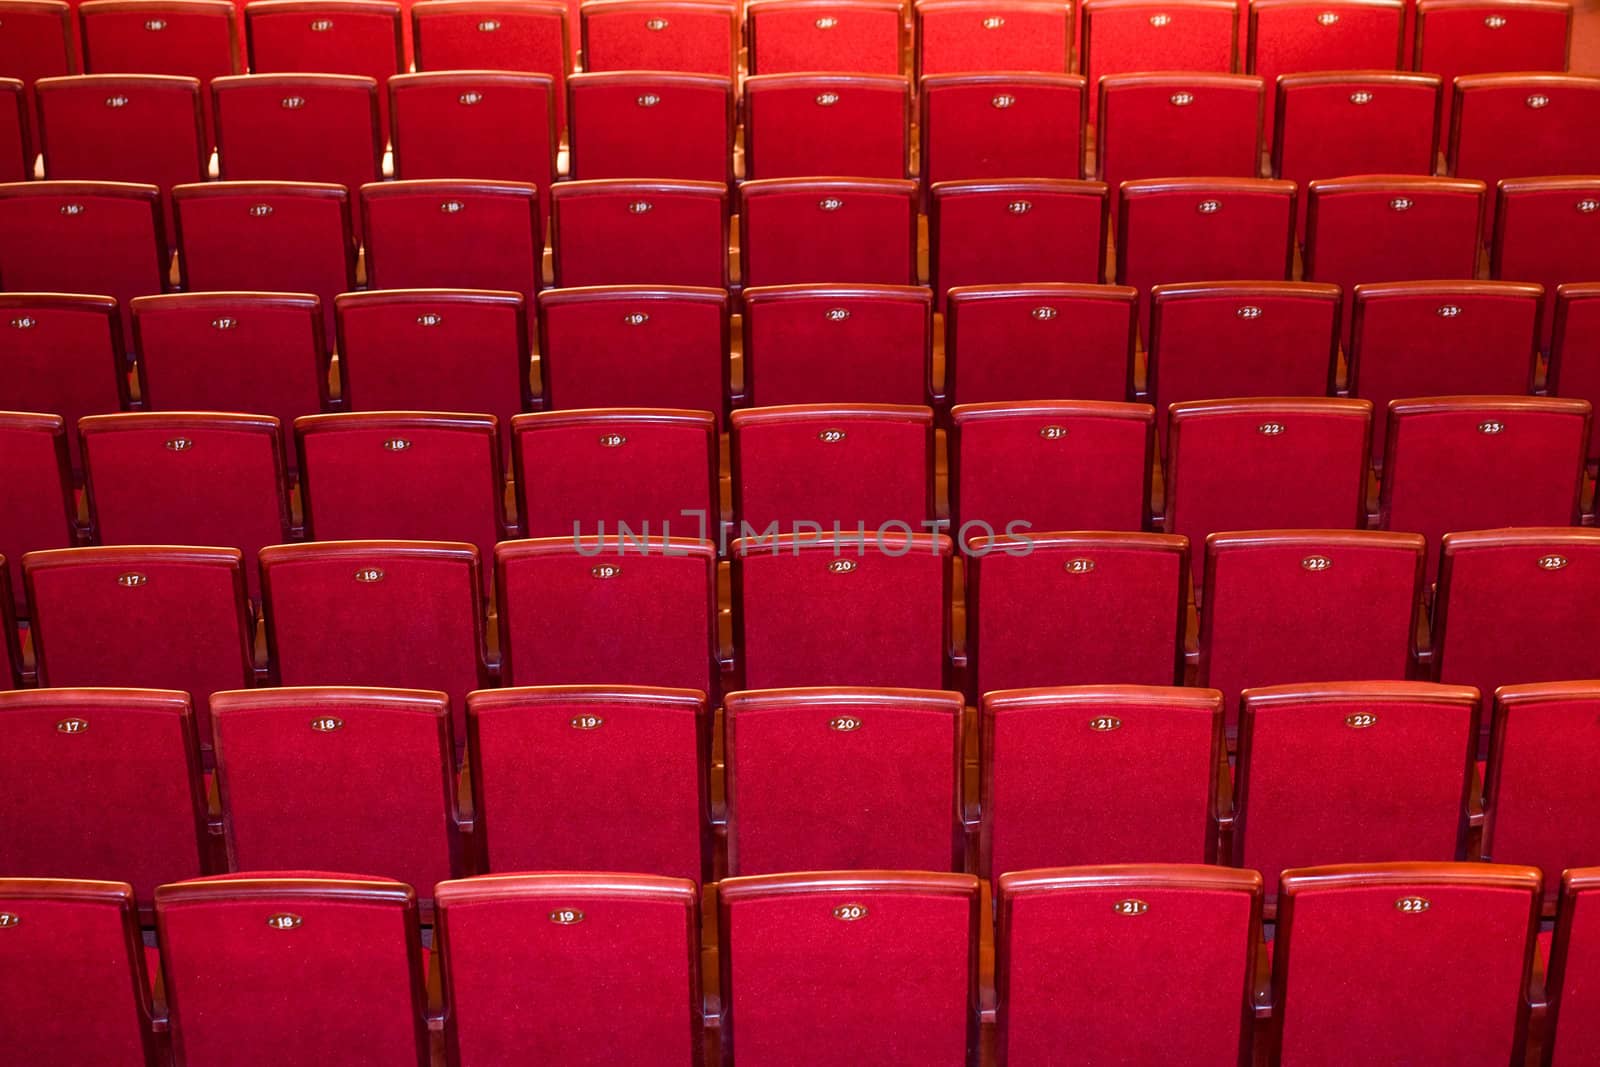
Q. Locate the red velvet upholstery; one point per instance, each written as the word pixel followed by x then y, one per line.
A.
pixel 1329 125
pixel 620 346
pixel 1049 465
pixel 1570 1032
pixel 828 231
pixel 328 132
pixel 1437 338
pixel 1201 229
pixel 82 237
pixel 435 350
pixel 298 234
pixel 1574 367
pixel 36 503
pixel 1478 463
pixel 11 676
pixel 973 36
pixel 998 126
pixel 72 971
pixel 196 39
pixel 1129 36
pixel 648 125
pixel 206 478
pixel 1540 792
pixel 1359 772
pixel 232 352
pixel 591 611
pixel 1033 342
pixel 844 779
pixel 159 618
pixel 820 465
pixel 1291 36
pixel 397 613
pixel 695 36
pixel 340 958
pixel 483 124
pixel 1547 231
pixel 1513 125
pixel 15 163
pixel 1138 964
pixel 1240 339
pixel 37 43
pixel 63 356
pixel 797 125
pixel 1281 607
pixel 531 36
pixel 319 777
pixel 1456 37
pixel 1135 766
pixel 892 955
pixel 820 609
pixel 1015 232
pixel 1411 962
pixel 847 36
pixel 621 783
pixel 1076 609
pixel 867 344
pixel 360 37
pixel 619 953
pixel 103 783
pixel 592 472
pixel 403 475
pixel 640 233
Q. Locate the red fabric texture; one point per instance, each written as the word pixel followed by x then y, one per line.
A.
pixel 194 41
pixel 36 506
pixel 1545 234
pixel 618 132
pixel 696 37
pixel 1455 38
pixel 966 36
pixel 1002 125
pixel 1574 368
pixel 520 35
pixel 640 233
pixel 453 234
pixel 1125 37
pixel 810 344
pixel 1577 1025
pixel 1035 342
pixel 821 231
pixel 16 164
pixel 1178 126
pixel 1015 232
pixel 38 43
pixel 67 361
pixel 1291 36
pixel 786 38
pixel 360 37
pixel 798 125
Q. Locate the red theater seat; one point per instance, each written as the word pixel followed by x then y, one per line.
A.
pixel 1178 942
pixel 189 38
pixel 242 954
pixel 1294 36
pixel 1570 1031
pixel 105 783
pixel 37 510
pixel 37 40
pixel 16 163
pixel 1136 766
pixel 815 609
pixel 1076 609
pixel 1547 231
pixel 530 36
pixel 798 125
pixel 622 785
pixel 158 618
pixel 899 951
pixel 63 356
pixel 1457 37
pixel 1130 36
pixel 359 37
pixel 973 36
pixel 1440 951
pixel 1034 342
pixel 618 951
pixel 640 233
pixel 828 231
pixel 847 36
pixel 453 234
pixel 867 344
pixel 844 779
pixel 693 36
pixel 651 125
pixel 1574 370
pixel 998 126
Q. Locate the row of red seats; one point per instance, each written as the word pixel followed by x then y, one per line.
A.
pixel 1143 964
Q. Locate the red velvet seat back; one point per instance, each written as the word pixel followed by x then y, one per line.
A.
pixel 593 472
pixel 818 465
pixel 1291 36
pixel 649 125
pixel 1547 231
pixel 1177 942
pixel 846 779
pixel 622 785
pixel 1456 37
pixel 972 36
pixel 1359 772
pixel 1282 607
pixel 898 949
pixel 515 35
pixel 1329 125
pixel 453 235
pixel 581 612
pixel 1128 36
pixel 815 610
pixel 828 231
pixel 619 952
pixel 342 955
pixel 322 777
pixel 640 233
pixel 72 968
pixel 159 618
pixel 1034 342
pixel 104 783
pixel 360 37
pixel 848 36
pixel 1049 465
pixel 37 510
pixel 1076 609
pixel 1135 766
pixel 1440 951
pixel 807 344
pixel 1574 369
pixel 194 38
pixel 37 42
pixel 622 346
pixel 998 126
pixel 63 356
pixel 15 162
pixel 1572 1018
pixel 694 36
pixel 798 125
pixel 1265 464
pixel 298 234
